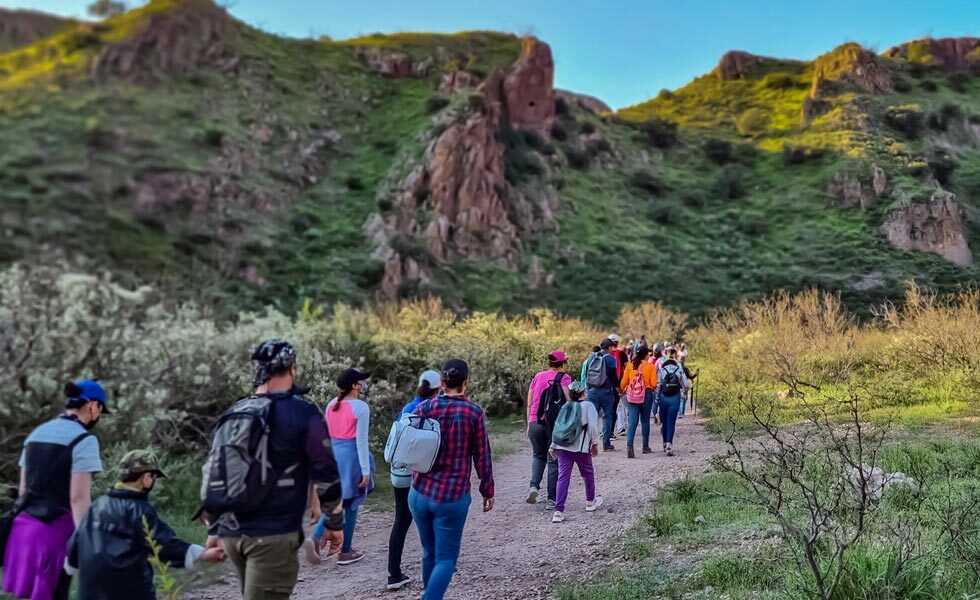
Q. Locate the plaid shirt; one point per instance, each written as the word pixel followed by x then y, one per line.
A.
pixel 464 438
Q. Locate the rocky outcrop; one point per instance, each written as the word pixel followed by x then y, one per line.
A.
pixel 736 64
pixel 193 33
pixel 846 66
pixel 951 54
pixel 20 28
pixel 527 91
pixel 454 81
pixel 457 204
pixel 584 101
pixel 849 191
pixel 396 65
pixel 934 225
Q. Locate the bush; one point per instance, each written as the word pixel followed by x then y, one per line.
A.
pixel 559 132
pixel 354 183
pixel 653 319
pixel 729 184
pixel 658 133
pixel 718 151
pixel 906 119
pixel 577 159
pixel 561 106
pixel 752 122
pixel 778 81
pixel 588 127
pixel 665 94
pixel 436 103
pixel 959 82
pixel 213 137
pixel 942 166
pixel 645 181
pixel 928 85
pixel 901 84
pixel 798 155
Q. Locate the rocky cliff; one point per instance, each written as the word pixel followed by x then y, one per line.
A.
pixel 931 225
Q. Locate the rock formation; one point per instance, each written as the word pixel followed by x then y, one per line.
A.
pixel 736 64
pixel 528 92
pixel 585 101
pixel 847 65
pixel 951 54
pixel 19 28
pixel 396 65
pixel 934 225
pixel 848 190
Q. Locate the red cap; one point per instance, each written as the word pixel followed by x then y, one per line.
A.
pixel 558 356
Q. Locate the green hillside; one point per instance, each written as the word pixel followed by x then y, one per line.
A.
pixel 177 145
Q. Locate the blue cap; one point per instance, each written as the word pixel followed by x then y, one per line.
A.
pixel 89 389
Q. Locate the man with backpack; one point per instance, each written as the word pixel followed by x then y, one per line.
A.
pixel 603 388
pixel 546 395
pixel 255 504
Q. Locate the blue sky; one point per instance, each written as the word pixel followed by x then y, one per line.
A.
pixel 623 51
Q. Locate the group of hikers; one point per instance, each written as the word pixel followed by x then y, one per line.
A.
pixel 275 457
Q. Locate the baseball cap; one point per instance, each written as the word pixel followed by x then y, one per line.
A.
pixel 577 387
pixel 349 377
pixel 614 337
pixel 87 390
pixel 558 356
pixel 138 462
pixel 432 378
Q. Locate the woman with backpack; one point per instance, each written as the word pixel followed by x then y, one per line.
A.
pixel 576 442
pixel 547 392
pixel 401 481
pixel 639 381
pixel 348 421
pixel 672 383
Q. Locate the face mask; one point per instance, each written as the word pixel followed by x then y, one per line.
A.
pixel 91 424
pixel 365 386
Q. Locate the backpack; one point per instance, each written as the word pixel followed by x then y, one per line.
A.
pixel 552 399
pixel 671 385
pixel 595 371
pixel 413 443
pixel 237 476
pixel 636 392
pixel 568 424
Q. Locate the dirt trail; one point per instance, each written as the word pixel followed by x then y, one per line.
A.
pixel 507 552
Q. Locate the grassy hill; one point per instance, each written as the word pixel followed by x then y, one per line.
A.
pixel 177 145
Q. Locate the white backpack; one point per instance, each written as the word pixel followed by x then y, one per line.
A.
pixel 413 444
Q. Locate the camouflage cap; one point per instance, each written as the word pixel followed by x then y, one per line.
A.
pixel 138 462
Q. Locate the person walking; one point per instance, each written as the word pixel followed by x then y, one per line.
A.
pixel 552 382
pixel 639 381
pixel 262 542
pixel 671 384
pixel 110 551
pixel 349 421
pixel 59 460
pixel 401 482
pixel 602 388
pixel 440 499
pixel 579 452
pixel 621 361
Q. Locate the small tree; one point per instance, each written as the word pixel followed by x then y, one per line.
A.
pixel 652 319
pixel 103 9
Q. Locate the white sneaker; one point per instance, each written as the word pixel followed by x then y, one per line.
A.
pixel 309 549
pixel 532 495
pixel 594 505
pixel 558 517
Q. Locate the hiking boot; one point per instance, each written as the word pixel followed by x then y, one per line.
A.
pixel 398 582
pixel 532 495
pixel 310 551
pixel 549 505
pixel 647 450
pixel 629 452
pixel 558 517
pixel 346 558
pixel 594 505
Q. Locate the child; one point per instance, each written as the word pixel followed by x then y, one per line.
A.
pixel 110 550
pixel 579 452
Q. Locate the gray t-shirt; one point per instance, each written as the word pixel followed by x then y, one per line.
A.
pixel 85 456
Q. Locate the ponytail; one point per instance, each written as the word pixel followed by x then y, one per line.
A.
pixel 641 354
pixel 341 394
pixel 426 391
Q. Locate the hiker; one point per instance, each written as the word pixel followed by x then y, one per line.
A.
pixel 687 395
pixel 401 482
pixel 671 384
pixel 639 381
pixel 621 361
pixel 601 383
pixel 262 535
pixel 110 550
pixel 576 441
pixel 548 389
pixel 440 499
pixel 56 470
pixel 640 343
pixel 585 365
pixel 349 421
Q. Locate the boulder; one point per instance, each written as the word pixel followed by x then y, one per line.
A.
pixel 454 81
pixel 950 54
pixel 527 91
pixel 878 180
pixel 736 64
pixel 848 190
pixel 396 65
pixel 934 225
pixel 875 481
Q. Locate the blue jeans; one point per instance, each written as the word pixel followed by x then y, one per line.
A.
pixel 639 413
pixel 440 526
pixel 350 521
pixel 670 406
pixel 603 398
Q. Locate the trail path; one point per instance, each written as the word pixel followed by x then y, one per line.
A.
pixel 513 552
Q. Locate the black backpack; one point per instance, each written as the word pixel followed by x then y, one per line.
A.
pixel 671 385
pixel 552 399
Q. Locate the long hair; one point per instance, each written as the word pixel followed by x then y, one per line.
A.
pixel 641 354
pixel 341 394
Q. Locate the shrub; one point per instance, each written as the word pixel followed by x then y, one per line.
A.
pixel 942 166
pixel 645 181
pixel 436 103
pixel 718 151
pixel 901 84
pixel 959 81
pixel 928 85
pixel 559 132
pixel 659 133
pixel 729 184
pixel 779 81
pixel 653 319
pixel 588 127
pixel 752 122
pixel 577 159
pixel 906 119
pixel 665 94
pixel 354 183
pixel 561 106
pixel 213 137
pixel 798 155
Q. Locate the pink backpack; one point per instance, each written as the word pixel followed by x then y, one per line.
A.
pixel 636 391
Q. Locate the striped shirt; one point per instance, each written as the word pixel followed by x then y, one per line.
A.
pixel 464 442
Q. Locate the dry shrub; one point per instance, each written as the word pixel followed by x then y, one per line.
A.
pixel 652 319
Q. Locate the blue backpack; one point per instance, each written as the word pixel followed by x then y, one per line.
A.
pixel 568 425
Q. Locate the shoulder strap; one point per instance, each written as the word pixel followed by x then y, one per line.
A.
pixel 78 440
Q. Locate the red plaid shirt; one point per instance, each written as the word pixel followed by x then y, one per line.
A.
pixel 464 439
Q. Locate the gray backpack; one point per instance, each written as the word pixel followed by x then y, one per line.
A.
pixel 237 476
pixel 595 371
pixel 413 444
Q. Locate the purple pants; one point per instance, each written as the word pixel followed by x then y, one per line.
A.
pixel 35 556
pixel 565 461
